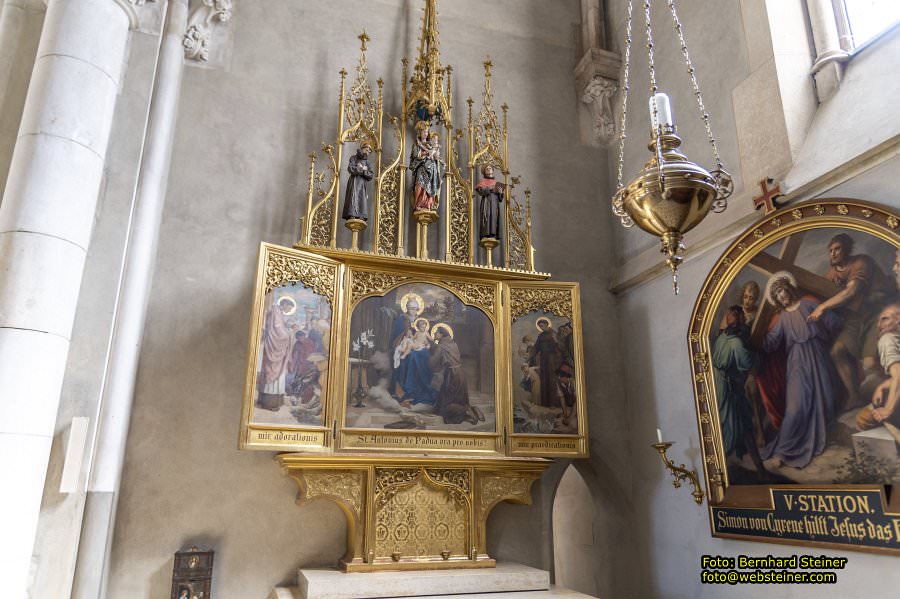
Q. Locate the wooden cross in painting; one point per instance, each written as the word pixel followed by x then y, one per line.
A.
pixel 769 197
pixel 807 282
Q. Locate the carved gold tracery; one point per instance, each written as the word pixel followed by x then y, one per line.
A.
pixel 483 296
pixel 555 301
pixel 367 282
pixel 281 269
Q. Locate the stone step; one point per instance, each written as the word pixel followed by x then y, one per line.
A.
pixel 506 580
pixel 551 593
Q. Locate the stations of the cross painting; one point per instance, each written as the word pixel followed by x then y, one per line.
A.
pixel 807 282
pixel 770 196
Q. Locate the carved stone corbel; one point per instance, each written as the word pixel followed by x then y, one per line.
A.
pixel 201 24
pixel 596 76
pixel 598 97
pixel 597 79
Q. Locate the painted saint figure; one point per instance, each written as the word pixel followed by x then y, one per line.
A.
pixel 732 361
pixel 402 328
pixel 427 169
pixel 452 402
pixel 547 356
pixel 811 383
pixel 491 193
pixel 356 200
pixel 276 354
pixel 413 352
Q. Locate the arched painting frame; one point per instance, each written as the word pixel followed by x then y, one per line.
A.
pixel 770 505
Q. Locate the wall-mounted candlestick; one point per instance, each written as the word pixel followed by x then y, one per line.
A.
pixel 681 473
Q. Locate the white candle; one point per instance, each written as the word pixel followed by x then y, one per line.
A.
pixel 659 435
pixel 662 115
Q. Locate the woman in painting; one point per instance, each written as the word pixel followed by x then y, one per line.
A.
pixel 414 353
pixel 811 382
pixel 732 361
pixel 546 354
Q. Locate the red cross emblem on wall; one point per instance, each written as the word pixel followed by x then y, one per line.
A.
pixel 769 197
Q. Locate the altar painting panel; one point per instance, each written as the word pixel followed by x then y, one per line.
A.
pixel 420 359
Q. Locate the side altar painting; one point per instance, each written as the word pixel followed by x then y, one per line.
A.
pixel 421 359
pixel 797 338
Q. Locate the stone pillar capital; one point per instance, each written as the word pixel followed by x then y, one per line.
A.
pixel 205 17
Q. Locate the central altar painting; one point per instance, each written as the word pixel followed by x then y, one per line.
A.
pixel 392 337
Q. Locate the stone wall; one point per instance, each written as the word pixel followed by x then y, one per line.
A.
pixel 237 178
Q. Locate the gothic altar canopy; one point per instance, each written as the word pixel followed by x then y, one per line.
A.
pixel 416 383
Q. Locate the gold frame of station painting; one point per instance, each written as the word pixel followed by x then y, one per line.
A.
pixel 850 214
pixel 353 276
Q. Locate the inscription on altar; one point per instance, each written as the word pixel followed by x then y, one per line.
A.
pixel 276 437
pixel 541 444
pixel 423 441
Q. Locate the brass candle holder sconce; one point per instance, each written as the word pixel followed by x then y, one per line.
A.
pixel 680 472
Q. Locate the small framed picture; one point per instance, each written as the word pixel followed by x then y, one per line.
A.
pixel 192 574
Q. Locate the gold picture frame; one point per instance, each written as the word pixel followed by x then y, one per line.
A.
pixel 318 277
pixel 762 505
pixel 483 296
pixel 543 424
pixel 473 304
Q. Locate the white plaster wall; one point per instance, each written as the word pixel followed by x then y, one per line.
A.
pixel 670 530
pixel 237 178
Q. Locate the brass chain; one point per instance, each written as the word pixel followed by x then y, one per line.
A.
pixel 617 201
pixel 690 68
pixel 650 63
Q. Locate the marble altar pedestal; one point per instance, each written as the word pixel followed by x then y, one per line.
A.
pixel 510 580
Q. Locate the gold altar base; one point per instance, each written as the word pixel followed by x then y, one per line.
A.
pixel 409 512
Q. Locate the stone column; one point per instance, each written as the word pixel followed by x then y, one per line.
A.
pixel 827 68
pixel 45 225
pixel 92 565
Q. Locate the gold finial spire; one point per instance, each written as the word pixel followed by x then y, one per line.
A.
pixel 363 38
pixel 428 99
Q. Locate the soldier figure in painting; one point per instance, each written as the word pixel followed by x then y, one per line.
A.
pixel 491 193
pixel 864 290
pixel 356 200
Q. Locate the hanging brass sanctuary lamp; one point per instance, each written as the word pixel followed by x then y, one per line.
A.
pixel 671 194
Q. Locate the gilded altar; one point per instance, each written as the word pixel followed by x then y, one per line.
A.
pixel 416 387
